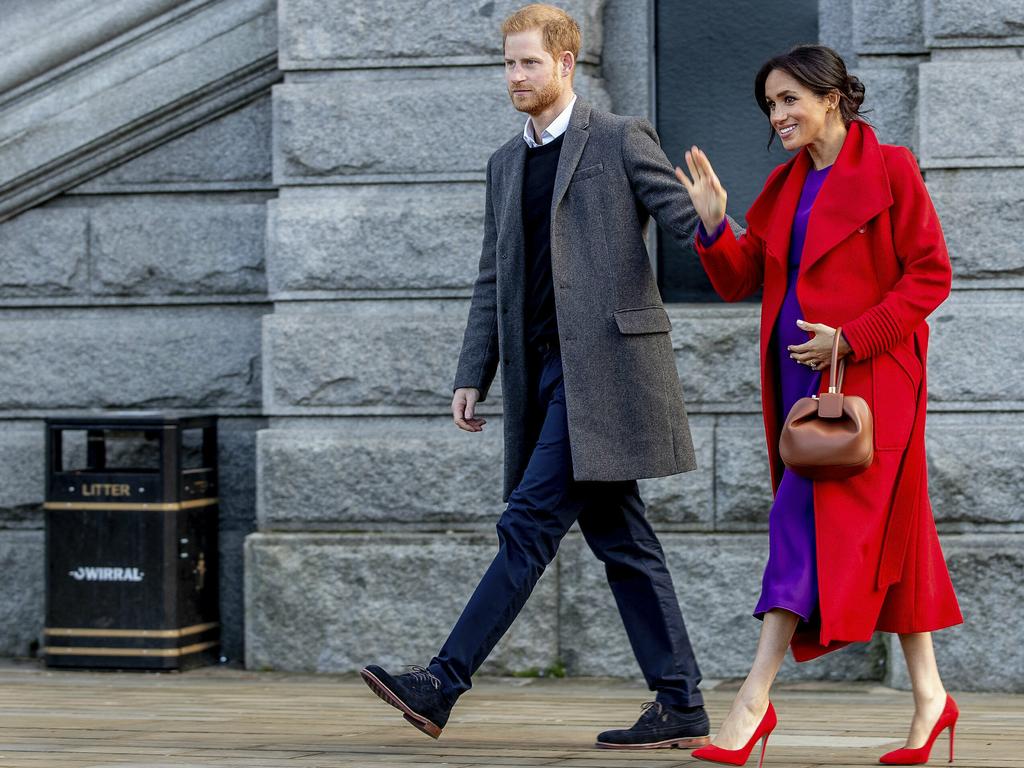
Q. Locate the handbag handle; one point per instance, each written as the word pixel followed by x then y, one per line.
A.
pixel 838 367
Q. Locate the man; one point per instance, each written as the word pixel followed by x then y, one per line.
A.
pixel 567 303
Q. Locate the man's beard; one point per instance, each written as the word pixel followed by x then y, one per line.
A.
pixel 537 101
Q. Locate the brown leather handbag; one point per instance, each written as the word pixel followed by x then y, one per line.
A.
pixel 831 436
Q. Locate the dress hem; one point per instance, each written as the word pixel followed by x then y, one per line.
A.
pixel 759 614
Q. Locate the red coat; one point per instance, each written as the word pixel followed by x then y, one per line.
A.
pixel 875 263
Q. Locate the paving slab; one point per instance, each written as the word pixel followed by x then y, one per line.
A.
pixel 222 716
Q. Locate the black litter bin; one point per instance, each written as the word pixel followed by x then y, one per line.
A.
pixel 131 542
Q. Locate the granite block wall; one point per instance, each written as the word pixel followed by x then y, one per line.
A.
pixel 370 295
pixel 370 299
pixel 921 57
pixel 141 288
pixel 298 259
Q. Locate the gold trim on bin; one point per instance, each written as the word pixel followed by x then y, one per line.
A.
pixel 64 650
pixel 175 506
pixel 195 629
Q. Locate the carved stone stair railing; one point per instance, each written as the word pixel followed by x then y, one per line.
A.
pixel 91 85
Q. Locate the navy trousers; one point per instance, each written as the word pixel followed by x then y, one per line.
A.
pixel 611 517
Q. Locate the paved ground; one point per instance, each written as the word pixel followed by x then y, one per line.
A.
pixel 227 717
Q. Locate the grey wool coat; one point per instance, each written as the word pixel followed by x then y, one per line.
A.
pixel 622 391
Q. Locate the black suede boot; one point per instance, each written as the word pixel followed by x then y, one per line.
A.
pixel 661 726
pixel 416 693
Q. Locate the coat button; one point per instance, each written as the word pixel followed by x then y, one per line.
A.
pixel 862 230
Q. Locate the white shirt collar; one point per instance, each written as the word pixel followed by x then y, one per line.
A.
pixel 558 126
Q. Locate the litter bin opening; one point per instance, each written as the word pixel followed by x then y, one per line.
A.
pixel 91 450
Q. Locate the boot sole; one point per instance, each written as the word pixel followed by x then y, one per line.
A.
pixel 691 743
pixel 387 695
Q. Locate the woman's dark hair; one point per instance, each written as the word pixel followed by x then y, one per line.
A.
pixel 819 69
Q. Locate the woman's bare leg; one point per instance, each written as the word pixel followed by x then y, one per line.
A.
pixel 929 693
pixel 751 701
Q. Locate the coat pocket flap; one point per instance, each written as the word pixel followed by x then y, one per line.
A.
pixel 586 173
pixel 643 320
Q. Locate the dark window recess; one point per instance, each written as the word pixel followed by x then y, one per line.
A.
pixel 706 56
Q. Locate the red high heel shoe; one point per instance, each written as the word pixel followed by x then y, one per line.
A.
pixel 920 755
pixel 714 754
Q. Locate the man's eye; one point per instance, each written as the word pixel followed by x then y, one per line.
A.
pixel 790 99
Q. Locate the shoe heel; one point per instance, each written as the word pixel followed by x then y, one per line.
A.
pixel 424 725
pixel 952 732
pixel 764 748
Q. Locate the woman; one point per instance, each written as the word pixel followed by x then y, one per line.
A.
pixel 843 236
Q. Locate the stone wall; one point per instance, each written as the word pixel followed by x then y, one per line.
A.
pixel 137 278
pixel 376 516
pixel 381 141
pixel 941 77
pixel 361 474
pixel 300 263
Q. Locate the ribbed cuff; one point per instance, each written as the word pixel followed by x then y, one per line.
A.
pixel 872 333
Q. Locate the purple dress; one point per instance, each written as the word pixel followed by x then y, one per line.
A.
pixel 791 576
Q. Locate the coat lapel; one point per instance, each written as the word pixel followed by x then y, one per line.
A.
pixel 771 215
pixel 511 230
pixel 575 140
pixel 855 191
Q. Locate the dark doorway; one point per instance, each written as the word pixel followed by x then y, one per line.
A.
pixel 706 57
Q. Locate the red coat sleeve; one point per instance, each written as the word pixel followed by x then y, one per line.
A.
pixel 735 266
pixel 921 251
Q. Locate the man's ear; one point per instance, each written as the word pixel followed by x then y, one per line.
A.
pixel 568 63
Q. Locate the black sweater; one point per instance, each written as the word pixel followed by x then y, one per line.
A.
pixel 538 188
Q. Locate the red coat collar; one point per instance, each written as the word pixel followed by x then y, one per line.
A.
pixel 856 190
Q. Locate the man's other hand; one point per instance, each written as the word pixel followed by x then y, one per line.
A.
pixel 464 409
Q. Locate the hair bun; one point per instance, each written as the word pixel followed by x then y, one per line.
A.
pixel 855 90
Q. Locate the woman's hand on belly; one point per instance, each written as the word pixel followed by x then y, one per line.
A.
pixel 817 353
